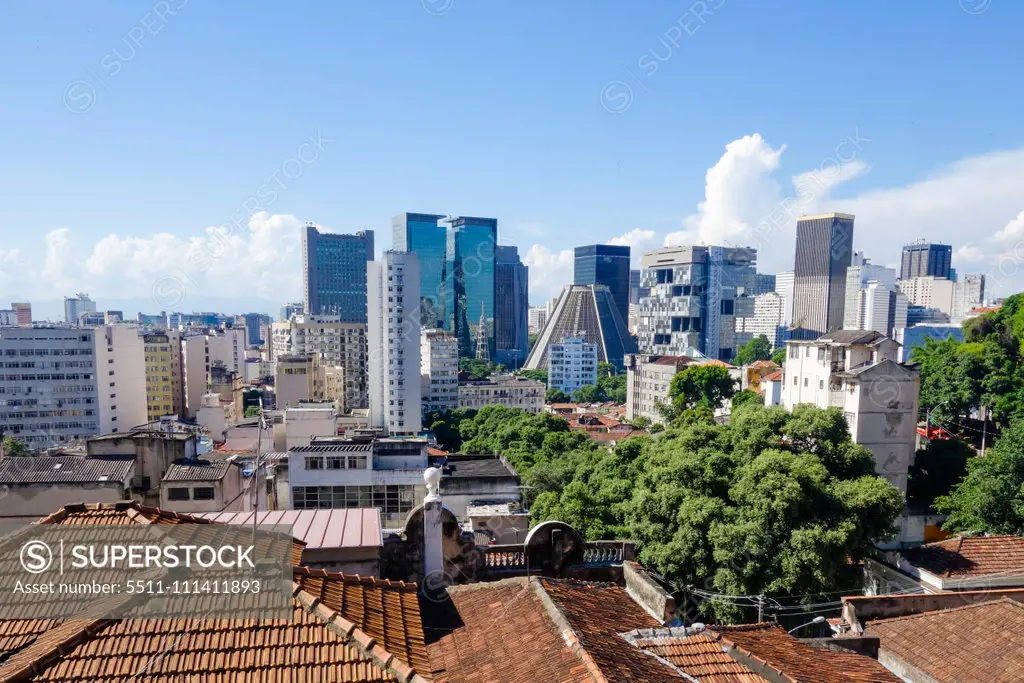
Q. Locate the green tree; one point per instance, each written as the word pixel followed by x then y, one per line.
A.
pixel 14 446
pixel 252 411
pixel 588 393
pixel 557 396
pixel 990 499
pixel 612 385
pixel 539 375
pixel 758 348
pixel 779 356
pixel 936 471
pixel 641 422
pixel 605 369
pixel 745 396
pixel 701 385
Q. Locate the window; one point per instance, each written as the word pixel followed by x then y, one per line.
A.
pixel 314 463
pixel 821 384
pixel 796 381
pixel 727 306
pixel 177 493
pixel 821 354
pixel 202 493
pixel 805 381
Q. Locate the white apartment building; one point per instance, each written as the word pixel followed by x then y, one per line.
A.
pixel 308 421
pixel 439 371
pixel 228 346
pixel 505 390
pixel 647 383
pixel 857 371
pixel 873 301
pixel 48 385
pixel 340 344
pixel 929 292
pixel 297 379
pixel 280 339
pixel 334 385
pixel 572 364
pixel 769 319
pixel 537 319
pixel 8 318
pixel 393 296
pixel 968 294
pixel 120 377
pixel 784 288
pixel 195 372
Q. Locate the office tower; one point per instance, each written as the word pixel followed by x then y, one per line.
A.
pixel 922 259
pixel 121 378
pixel 697 293
pixel 8 318
pixel 872 300
pixel 967 294
pixel 339 344
pixel 334 273
pixel 228 346
pixel 76 306
pixel 608 265
pixel 952 274
pixel 52 397
pixel 393 291
pixel 439 371
pixel 24 311
pixel 254 324
pixel 511 304
pixel 421 234
pixel 590 313
pixel 824 250
pixel 784 288
pixel 768 319
pixel 763 283
pixel 469 280
pixel 538 318
pixel 929 291
pixel 288 310
pixel 572 363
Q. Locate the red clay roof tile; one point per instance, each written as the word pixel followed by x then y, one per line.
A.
pixel 969 556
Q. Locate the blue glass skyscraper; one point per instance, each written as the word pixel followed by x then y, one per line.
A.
pixel 511 302
pixel 421 234
pixel 334 273
pixel 469 281
pixel 608 265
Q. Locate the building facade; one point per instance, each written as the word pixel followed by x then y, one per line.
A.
pixel 334 273
pixel 254 326
pixel 394 336
pixel 928 291
pixel 506 390
pixel 469 281
pixel 159 366
pixel 423 235
pixel 511 304
pixel 784 288
pixel 859 372
pixel 768 319
pixel 648 379
pixel 921 259
pixel 24 311
pixel 968 293
pixel 339 343
pixel 439 371
pixel 76 306
pixel 48 389
pixel 873 302
pixel 298 378
pixel 195 372
pixel 608 265
pixel 572 363
pixel 824 250
pixel 121 378
pixel 538 319
pixel 696 295
pixel 228 346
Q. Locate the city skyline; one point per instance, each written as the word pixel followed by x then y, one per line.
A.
pixel 113 208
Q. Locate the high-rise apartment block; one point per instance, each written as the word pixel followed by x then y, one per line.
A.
pixel 968 294
pixel 538 319
pixel 511 304
pixel 338 343
pixel 784 288
pixel 928 291
pixel 195 372
pixel 572 363
pixel 824 250
pixel 24 312
pixel 423 235
pixel 120 354
pixel 299 378
pixel 228 346
pixel 469 281
pixel 696 295
pixel 393 291
pixel 648 379
pixel 768 319
pixel 76 306
pixel 608 265
pixel 439 371
pixel 872 300
pixel 334 273
pixel 159 366
pixel 49 385
pixel 922 259
pixel 8 318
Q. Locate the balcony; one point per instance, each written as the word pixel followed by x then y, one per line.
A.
pixel 511 559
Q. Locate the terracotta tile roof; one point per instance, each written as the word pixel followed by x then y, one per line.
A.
pixel 124 512
pixel 973 643
pixel 598 613
pixel 798 661
pixel 718 363
pixel 672 360
pixel 759 364
pixel 500 633
pixel 968 556
pixel 773 377
pixel 435 451
pixel 700 656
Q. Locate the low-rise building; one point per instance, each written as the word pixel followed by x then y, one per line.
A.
pixel 477 480
pixel 154 451
pixel 572 364
pixel 962 563
pixel 648 379
pixel 858 372
pixel 505 390
pixel 439 370
pixel 203 486
pixel 307 421
pixel 498 523
pixel 34 486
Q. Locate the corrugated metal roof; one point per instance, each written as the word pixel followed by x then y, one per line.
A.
pixel 340 528
pixel 197 470
pixel 334 448
pixel 64 469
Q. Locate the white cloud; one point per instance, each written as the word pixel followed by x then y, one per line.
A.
pixel 549 271
pixel 635 238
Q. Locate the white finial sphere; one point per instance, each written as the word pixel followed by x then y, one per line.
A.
pixel 432 476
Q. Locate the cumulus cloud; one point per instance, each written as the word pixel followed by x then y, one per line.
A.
pixel 549 271
pixel 635 238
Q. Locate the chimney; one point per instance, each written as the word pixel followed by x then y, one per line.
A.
pixel 433 528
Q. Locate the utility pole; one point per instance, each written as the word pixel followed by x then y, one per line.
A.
pixel 984 428
pixel 760 608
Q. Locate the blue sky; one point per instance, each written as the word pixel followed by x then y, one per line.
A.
pixel 151 122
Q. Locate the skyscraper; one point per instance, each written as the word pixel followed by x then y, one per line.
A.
pixel 334 273
pixel 76 306
pixel 394 341
pixel 921 259
pixel 511 301
pixel 469 280
pixel 824 250
pixel 24 312
pixel 872 301
pixel 421 234
pixel 608 265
